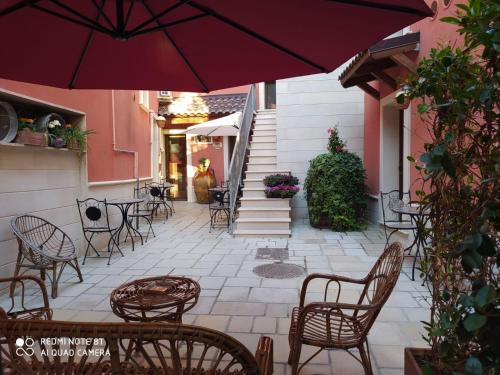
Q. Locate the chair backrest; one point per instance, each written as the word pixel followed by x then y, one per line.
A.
pixel 218 198
pixel 382 279
pixel 155 190
pixel 93 213
pixel 143 193
pixel 41 242
pixel 120 348
pixel 392 199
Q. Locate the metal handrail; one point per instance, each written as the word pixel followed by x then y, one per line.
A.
pixel 239 153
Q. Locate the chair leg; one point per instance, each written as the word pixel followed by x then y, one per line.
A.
pixel 365 358
pixel 18 268
pixel 54 280
pixel 295 357
pixel 77 268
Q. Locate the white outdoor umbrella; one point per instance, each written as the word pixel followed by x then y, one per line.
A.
pixel 223 126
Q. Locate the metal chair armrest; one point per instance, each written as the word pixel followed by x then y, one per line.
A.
pixel 264 355
pixel 331 278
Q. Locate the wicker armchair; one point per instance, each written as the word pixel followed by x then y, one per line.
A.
pixel 337 325
pixel 52 347
pixel 20 307
pixel 44 247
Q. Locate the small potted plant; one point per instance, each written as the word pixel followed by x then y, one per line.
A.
pixel 76 139
pixel 56 133
pixel 28 133
pixel 203 180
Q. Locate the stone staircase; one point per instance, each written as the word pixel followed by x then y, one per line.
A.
pixel 259 216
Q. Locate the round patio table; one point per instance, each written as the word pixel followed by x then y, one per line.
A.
pixel 155 299
pixel 124 206
pixel 419 216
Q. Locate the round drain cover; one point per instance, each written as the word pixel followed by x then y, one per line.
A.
pixel 279 271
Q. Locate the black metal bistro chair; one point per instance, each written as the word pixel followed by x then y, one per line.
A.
pixel 44 247
pixel 393 221
pixel 159 199
pixel 95 220
pixel 218 206
pixel 142 210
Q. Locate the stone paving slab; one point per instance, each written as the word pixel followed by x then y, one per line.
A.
pixel 244 305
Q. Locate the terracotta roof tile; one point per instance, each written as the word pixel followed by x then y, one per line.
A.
pixel 203 105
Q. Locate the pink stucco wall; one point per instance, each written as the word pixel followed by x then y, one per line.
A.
pixel 131 126
pixel 432 33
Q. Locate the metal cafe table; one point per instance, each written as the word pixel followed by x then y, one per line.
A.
pixel 419 216
pixel 124 206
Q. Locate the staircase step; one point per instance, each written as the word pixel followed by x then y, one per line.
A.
pixel 258 192
pixel 267 202
pixel 262 152
pixel 264 127
pixel 253 183
pixel 262 174
pixel 278 233
pixel 260 212
pixel 260 167
pixel 264 138
pixel 262 116
pixel 261 159
pixel 262 145
pixel 263 223
pixel 263 132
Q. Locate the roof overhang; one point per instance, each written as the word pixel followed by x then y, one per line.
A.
pixel 371 64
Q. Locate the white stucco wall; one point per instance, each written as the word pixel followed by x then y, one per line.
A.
pixel 306 107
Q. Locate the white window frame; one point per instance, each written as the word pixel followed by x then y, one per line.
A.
pixel 144 99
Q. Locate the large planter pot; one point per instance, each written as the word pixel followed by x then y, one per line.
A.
pixel 323 222
pixel 412 356
pixel 202 181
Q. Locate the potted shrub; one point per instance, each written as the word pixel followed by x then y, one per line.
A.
pixel 281 186
pixel 457 95
pixel 335 188
pixel 56 133
pixel 203 180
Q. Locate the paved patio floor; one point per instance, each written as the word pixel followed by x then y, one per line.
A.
pixel 237 301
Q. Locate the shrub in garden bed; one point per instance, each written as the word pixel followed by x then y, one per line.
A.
pixel 335 188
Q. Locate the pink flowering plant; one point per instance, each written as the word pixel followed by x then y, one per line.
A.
pixel 335 144
pixel 281 186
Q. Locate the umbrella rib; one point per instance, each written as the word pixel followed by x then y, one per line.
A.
pixel 16 7
pixel 389 7
pixel 85 49
pixel 157 16
pixel 170 24
pixel 256 35
pixel 72 20
pixel 103 14
pixel 179 52
pixel 79 15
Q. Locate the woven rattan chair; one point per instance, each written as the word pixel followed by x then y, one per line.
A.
pixel 42 347
pixel 44 247
pixel 21 302
pixel 338 325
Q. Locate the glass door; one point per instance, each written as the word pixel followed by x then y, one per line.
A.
pixel 176 164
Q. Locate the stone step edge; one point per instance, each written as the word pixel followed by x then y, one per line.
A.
pixel 242 208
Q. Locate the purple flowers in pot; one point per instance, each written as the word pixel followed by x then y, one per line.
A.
pixel 281 186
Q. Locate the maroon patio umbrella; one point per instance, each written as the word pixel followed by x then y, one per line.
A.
pixel 197 45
